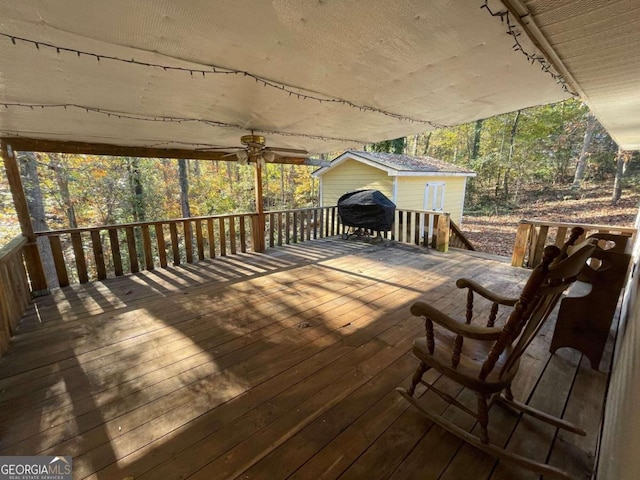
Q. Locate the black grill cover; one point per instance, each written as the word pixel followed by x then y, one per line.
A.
pixel 366 209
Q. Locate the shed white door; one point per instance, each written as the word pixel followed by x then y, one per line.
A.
pixel 433 200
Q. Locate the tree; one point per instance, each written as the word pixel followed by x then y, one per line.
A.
pixel 622 159
pixel 58 164
pixel 584 154
pixel 184 188
pixel 476 140
pixel 396 145
pixel 512 139
pixel 35 205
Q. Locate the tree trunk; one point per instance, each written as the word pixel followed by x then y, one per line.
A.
pixel 584 153
pixel 512 141
pixel 621 160
pixel 230 176
pixel 283 199
pixel 475 151
pixel 138 204
pixel 62 180
pixel 426 143
pixel 135 180
pixel 416 140
pixel 184 188
pixel 35 204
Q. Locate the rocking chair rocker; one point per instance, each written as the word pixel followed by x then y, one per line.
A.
pixel 485 359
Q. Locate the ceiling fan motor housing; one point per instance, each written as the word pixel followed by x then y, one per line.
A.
pixel 253 140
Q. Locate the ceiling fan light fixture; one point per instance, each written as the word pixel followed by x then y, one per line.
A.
pixel 268 156
pixel 242 156
pixel 260 160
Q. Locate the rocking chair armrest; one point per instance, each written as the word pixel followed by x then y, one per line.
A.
pixel 476 332
pixel 488 294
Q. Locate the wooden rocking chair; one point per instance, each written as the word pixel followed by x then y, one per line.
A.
pixel 485 359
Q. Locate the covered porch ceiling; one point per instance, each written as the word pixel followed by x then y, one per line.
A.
pixel 318 75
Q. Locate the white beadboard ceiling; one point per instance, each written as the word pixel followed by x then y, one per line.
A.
pixel 320 75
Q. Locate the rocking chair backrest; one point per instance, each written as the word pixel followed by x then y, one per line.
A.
pixel 539 297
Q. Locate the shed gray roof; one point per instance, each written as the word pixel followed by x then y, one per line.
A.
pixel 406 163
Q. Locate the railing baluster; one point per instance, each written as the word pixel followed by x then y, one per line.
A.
pixel 199 239
pixel 175 246
pixel 232 235
pixel 243 234
pixel 296 227
pixel 162 247
pixel 98 254
pixel 58 260
pixel 436 220
pixel 133 251
pixel 223 237
pixel 212 238
pixel 272 218
pixel 540 242
pixel 114 242
pixel 188 240
pixel 146 248
pixel 301 219
pixel 333 221
pixel 81 263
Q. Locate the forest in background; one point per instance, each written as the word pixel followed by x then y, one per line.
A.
pixel 551 152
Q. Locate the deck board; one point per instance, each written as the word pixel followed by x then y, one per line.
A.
pixel 279 365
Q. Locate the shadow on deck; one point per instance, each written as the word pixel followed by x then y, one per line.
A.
pixel 276 365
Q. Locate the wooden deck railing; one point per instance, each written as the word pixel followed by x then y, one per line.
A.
pixel 422 227
pixel 533 235
pixel 95 253
pixel 15 294
pixel 410 226
pixel 283 227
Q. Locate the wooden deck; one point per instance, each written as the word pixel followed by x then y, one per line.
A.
pixel 280 365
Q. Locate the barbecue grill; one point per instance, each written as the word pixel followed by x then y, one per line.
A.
pixel 365 212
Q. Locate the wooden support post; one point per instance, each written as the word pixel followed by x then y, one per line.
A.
pixel 442 244
pixel 258 231
pixel 31 254
pixel 521 245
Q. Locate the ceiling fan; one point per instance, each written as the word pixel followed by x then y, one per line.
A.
pixel 255 150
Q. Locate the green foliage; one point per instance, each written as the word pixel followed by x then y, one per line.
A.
pixel 396 145
pixel 536 147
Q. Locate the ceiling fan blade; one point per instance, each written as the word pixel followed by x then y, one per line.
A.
pixel 283 150
pixel 214 149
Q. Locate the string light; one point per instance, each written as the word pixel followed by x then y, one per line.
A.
pixel 156 118
pixel 216 70
pixel 532 57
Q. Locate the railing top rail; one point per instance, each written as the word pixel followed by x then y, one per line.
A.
pixel 611 228
pixel 140 224
pixel 431 212
pixel 14 246
pixel 306 209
